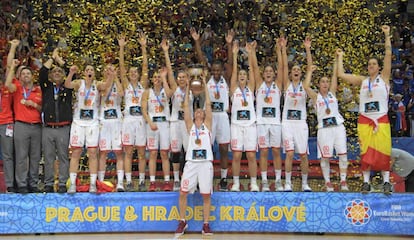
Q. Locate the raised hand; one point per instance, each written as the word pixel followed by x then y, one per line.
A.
pixel 194 34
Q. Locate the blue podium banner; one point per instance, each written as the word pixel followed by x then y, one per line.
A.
pixel 373 213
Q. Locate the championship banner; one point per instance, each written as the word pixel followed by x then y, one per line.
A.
pixel 373 213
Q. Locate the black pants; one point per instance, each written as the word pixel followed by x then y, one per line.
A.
pixel 409 182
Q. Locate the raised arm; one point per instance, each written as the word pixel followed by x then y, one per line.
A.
pixel 208 121
pixel 350 78
pixel 10 75
pixel 230 60
pixel 199 53
pixel 171 80
pixel 386 70
pixel 283 42
pixel 122 43
pixel 142 38
pixel 280 70
pixel 233 82
pixel 334 78
pixel 307 83
pixel 68 82
pixel 165 85
pixel 251 50
pixel 307 43
pixel 12 52
pixel 187 113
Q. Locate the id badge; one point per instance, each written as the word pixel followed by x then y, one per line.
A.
pixel 9 130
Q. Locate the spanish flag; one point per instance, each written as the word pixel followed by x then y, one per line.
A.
pixel 375 143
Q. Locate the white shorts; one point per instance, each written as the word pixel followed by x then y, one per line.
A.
pixel 110 135
pixel 244 138
pixel 178 136
pixel 221 128
pixel 134 132
pixel 200 173
pixel 295 136
pixel 269 135
pixel 159 139
pixel 331 138
pixel 81 136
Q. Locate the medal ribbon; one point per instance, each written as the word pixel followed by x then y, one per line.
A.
pixel 56 91
pixel 244 94
pixel 295 89
pixel 158 99
pixel 326 100
pixel 267 91
pixel 197 134
pixel 26 94
pixel 109 93
pixel 87 94
pixel 217 88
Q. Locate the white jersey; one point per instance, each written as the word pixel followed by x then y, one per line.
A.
pixel 242 108
pixel 295 103
pixel 327 111
pixel 111 105
pixel 177 100
pixel 86 109
pixel 268 104
pixel 373 100
pixel 132 100
pixel 219 95
pixel 158 106
pixel 199 150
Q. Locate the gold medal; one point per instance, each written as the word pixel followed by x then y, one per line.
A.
pixel 370 94
pixel 245 103
pixel 108 102
pixel 23 101
pixel 198 141
pixel 134 100
pixel 266 99
pixel 217 95
pixel 161 108
pixel 182 104
pixel 328 111
pixel 294 95
pixel 85 102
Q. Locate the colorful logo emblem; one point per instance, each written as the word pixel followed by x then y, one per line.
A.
pixel 357 212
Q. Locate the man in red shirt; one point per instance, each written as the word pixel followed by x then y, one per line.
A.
pixel 27 99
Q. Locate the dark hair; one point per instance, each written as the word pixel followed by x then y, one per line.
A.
pixel 379 60
pixel 26 68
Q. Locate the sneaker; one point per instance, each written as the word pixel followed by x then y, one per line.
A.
pixel 279 186
pixel 329 187
pixel 120 188
pixel 306 188
pixel 223 185
pixel 182 226
pixel 92 188
pixel 34 190
pixel 366 188
pixel 265 186
pixel 142 188
pixel 387 188
pixel 167 186
pixel 288 187
pixel 344 186
pixel 10 190
pixel 62 189
pixel 23 190
pixel 152 187
pixel 48 189
pixel 129 187
pixel 235 187
pixel 176 186
pixel 72 188
pixel 206 230
pixel 254 187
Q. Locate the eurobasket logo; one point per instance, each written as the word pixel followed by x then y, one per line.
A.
pixel 358 212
